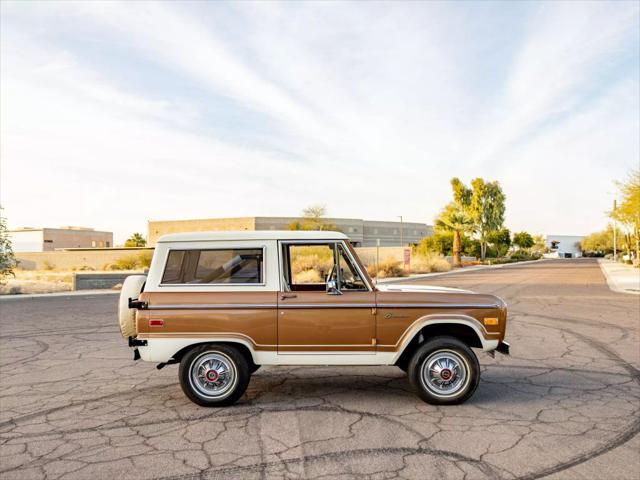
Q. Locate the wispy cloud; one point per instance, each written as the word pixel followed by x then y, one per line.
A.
pixel 113 113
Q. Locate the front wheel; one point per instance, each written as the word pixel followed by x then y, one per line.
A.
pixel 444 371
pixel 214 375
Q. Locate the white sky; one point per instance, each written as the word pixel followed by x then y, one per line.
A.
pixel 113 114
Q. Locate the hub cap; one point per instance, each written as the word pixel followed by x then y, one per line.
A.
pixel 444 373
pixel 213 375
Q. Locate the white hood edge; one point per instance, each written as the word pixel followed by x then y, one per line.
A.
pixel 390 287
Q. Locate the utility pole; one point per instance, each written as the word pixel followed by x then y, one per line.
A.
pixel 615 227
pixel 401 232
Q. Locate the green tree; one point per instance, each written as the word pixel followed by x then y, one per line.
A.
pixel 313 219
pixel 484 202
pixel 601 243
pixel 628 211
pixel 455 219
pixel 500 240
pixel 487 209
pixel 136 240
pixel 523 240
pixel 439 242
pixel 7 259
pixel 539 245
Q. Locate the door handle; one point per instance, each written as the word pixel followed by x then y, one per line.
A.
pixel 284 296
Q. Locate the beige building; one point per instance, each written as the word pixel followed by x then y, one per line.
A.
pixel 362 233
pixel 29 239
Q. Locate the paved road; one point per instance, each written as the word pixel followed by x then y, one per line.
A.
pixel 566 404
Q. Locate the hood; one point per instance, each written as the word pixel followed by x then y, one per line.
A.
pixel 390 287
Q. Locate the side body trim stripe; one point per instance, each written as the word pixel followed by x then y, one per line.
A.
pixel 256 306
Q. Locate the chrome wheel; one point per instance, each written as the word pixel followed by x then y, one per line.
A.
pixel 213 375
pixel 444 373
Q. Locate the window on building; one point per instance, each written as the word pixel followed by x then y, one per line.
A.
pixel 108 244
pixel 101 243
pixel 223 266
pixel 93 243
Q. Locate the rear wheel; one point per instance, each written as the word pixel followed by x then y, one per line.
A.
pixel 214 375
pixel 444 371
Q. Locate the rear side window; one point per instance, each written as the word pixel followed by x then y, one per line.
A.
pixel 221 266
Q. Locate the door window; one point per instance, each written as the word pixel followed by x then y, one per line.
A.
pixel 308 266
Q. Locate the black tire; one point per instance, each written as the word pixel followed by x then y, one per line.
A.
pixel 226 359
pixel 403 364
pixel 447 352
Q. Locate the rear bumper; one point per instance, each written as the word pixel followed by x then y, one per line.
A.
pixel 503 348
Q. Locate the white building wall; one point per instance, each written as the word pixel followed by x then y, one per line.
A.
pixel 564 245
pixel 27 241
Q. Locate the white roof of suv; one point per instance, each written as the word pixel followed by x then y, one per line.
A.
pixel 252 235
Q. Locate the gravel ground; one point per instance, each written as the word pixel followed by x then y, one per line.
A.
pixel 565 404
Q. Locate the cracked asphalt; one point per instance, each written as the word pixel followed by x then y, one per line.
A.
pixel 565 404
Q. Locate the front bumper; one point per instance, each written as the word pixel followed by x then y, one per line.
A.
pixel 503 348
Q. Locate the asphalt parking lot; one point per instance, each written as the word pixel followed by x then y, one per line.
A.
pixel 566 404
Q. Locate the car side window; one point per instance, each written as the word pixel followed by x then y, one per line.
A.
pixel 350 278
pixel 215 266
pixel 308 266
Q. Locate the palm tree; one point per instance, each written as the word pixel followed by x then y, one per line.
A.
pixel 454 218
pixel 135 240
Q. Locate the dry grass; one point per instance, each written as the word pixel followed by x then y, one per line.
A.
pixel 37 281
pixel 387 268
pixel 41 281
pixel 429 264
pixel 391 267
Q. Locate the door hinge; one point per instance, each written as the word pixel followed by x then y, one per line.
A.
pixel 373 311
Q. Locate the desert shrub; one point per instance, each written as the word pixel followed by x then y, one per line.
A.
pixel 430 263
pixel 129 262
pixel 47 265
pixel 144 259
pixel 520 256
pixel 82 268
pixel 386 269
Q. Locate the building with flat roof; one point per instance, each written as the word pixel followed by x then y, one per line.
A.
pixel 361 233
pixel 28 239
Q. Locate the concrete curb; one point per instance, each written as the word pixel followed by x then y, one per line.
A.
pixel 78 293
pixel 460 270
pixel 612 281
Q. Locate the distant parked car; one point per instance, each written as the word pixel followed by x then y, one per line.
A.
pixel 221 304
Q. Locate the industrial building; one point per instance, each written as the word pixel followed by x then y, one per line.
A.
pixel 362 233
pixel 27 239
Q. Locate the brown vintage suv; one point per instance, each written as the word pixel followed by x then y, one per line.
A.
pixel 221 304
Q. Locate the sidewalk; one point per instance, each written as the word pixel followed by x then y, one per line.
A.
pixel 620 277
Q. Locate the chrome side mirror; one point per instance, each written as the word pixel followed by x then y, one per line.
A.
pixel 332 288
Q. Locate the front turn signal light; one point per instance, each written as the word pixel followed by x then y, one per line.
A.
pixel 490 321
